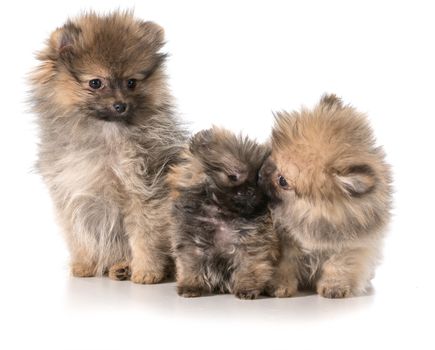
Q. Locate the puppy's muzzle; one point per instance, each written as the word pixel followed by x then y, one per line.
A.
pixel 120 107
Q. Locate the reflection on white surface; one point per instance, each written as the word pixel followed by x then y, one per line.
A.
pixel 162 299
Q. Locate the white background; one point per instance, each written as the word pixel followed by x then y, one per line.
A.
pixel 232 63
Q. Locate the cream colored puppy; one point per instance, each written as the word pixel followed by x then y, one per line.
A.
pixel 330 199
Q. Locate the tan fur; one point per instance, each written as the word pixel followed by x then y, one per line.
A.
pixel 107 177
pixel 81 269
pixel 186 174
pixel 333 211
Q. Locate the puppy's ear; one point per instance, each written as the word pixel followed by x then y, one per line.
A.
pixel 201 142
pixel 64 38
pixel 331 100
pixel 153 33
pixel 356 180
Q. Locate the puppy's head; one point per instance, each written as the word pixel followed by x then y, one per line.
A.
pixel 231 164
pixel 108 68
pixel 325 172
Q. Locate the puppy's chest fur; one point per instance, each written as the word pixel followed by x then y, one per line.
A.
pixel 217 238
pixel 308 257
pixel 109 165
pixel 215 229
pixel 226 230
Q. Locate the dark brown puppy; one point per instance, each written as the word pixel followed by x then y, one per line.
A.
pixel 108 137
pixel 223 238
pixel 331 197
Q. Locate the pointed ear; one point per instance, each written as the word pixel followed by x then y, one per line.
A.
pixel 201 141
pixel 63 39
pixel 356 180
pixel 154 33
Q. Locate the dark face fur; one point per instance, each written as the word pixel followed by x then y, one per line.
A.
pixel 231 164
pixel 106 68
pixel 270 181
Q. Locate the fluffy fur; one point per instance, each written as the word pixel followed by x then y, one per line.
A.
pixel 107 139
pixel 330 199
pixel 223 238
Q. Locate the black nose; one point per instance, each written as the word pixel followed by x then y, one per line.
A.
pixel 250 192
pixel 120 107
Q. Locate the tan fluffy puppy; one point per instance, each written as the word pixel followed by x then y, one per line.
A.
pixel 107 138
pixel 330 199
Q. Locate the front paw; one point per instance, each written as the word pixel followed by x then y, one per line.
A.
pixel 189 291
pixel 79 269
pixel 146 277
pixel 247 294
pixel 282 290
pixel 120 271
pixel 333 289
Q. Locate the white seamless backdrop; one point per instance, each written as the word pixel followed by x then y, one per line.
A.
pixel 232 63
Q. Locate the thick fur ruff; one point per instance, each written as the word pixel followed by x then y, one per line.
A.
pixel 330 192
pixel 223 238
pixel 106 146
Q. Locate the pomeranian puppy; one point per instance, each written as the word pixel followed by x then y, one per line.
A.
pixel 107 139
pixel 223 240
pixel 330 199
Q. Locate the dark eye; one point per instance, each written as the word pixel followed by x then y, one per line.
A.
pixel 232 178
pixel 282 181
pixel 95 83
pixel 131 83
